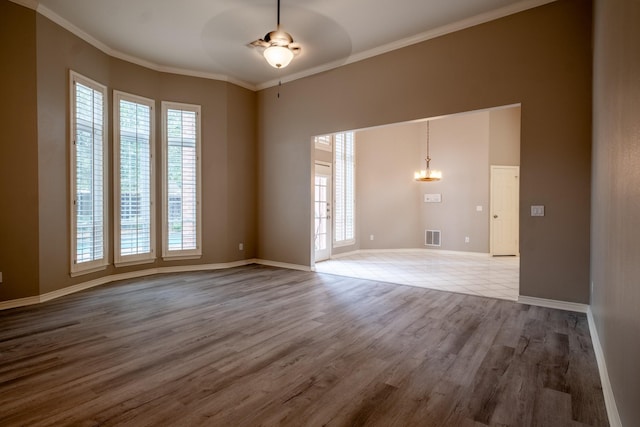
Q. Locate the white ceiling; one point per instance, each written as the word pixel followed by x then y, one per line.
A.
pixel 209 38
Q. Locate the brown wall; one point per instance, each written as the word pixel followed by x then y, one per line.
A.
pixel 228 153
pixel 242 166
pixel 615 258
pixel 504 134
pixel 18 153
pixel 540 58
pixel 57 52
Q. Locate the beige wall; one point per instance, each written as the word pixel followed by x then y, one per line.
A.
pixel 460 148
pixel 387 198
pixel 615 257
pixel 540 58
pixel 390 205
pixel 18 153
pixel 229 160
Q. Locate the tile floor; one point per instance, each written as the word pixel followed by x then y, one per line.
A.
pixel 467 273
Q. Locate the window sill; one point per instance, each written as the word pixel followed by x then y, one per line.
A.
pixel 88 271
pixel 343 244
pixel 134 262
pixel 180 257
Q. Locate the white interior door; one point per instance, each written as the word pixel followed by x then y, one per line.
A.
pixel 322 211
pixel 505 201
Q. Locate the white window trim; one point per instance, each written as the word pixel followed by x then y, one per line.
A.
pixel 99 264
pixel 352 241
pixel 119 259
pixel 191 253
pixel 322 146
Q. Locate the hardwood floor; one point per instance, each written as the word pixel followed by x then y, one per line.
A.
pixel 264 346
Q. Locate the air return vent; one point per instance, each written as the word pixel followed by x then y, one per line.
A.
pixel 432 237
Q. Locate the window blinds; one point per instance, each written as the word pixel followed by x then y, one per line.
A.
pixel 89 173
pixel 344 207
pixel 182 179
pixel 135 192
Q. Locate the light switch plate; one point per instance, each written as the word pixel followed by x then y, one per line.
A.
pixel 537 210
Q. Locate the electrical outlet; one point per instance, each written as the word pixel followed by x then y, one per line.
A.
pixel 371 237
pixel 466 239
pixel 240 246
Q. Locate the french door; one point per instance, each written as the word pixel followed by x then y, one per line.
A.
pixel 322 211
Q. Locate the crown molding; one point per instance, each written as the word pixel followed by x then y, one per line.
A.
pixel 427 35
pixel 418 38
pixel 48 13
pixel 31 4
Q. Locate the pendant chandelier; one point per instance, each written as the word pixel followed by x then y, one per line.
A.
pixel 427 175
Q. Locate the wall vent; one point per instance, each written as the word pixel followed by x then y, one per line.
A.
pixel 432 237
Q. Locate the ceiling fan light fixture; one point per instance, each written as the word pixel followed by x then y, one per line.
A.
pixel 278 56
pixel 278 37
pixel 278 45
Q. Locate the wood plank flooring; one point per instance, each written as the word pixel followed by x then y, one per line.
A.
pixel 257 345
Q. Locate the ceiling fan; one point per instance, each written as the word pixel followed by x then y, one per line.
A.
pixel 279 47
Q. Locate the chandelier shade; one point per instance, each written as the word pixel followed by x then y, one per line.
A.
pixel 278 56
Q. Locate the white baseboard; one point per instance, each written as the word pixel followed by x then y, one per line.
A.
pixel 607 391
pixel 609 399
pixel 409 251
pixel 282 265
pixel 21 302
pixel 551 303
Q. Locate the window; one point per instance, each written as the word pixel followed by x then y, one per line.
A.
pixel 134 179
pixel 324 142
pixel 344 206
pixel 88 175
pixel 181 180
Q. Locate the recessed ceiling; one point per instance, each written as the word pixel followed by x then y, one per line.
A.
pixel 210 37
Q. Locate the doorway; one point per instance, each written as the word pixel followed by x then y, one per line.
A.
pixel 393 210
pixel 504 211
pixel 322 211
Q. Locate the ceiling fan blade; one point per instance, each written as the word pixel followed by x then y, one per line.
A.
pixel 295 48
pixel 259 43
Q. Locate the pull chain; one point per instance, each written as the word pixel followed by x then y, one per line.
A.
pixel 279 84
